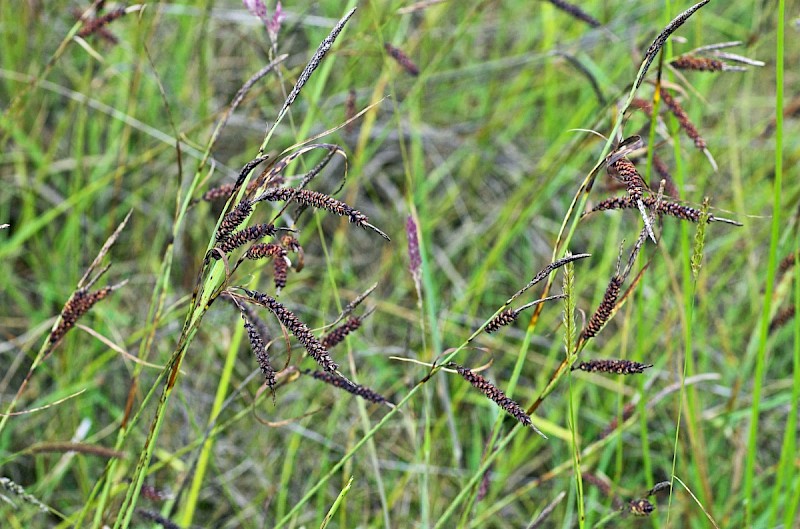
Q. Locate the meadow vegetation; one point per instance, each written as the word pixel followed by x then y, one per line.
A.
pixel 435 264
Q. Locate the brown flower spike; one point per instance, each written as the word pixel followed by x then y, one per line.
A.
pixel 350 387
pixel 288 319
pixel 603 312
pixel 617 367
pixel 319 200
pixel 242 237
pixel 495 394
pixel 509 316
pixel 402 59
pixel 78 304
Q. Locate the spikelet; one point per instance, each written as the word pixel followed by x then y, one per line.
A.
pixel 643 105
pixel 509 316
pixel 261 250
pixel 299 329
pixel 342 383
pixel 224 191
pixel 259 348
pixel 603 312
pixel 76 306
pixel 624 170
pixel 319 200
pixel 782 318
pixel 672 209
pixel 658 487
pixel 350 111
pixel 402 59
pixel 698 64
pixel 617 367
pixel 670 188
pixel 233 219
pixel 242 237
pixel 95 25
pixel 495 394
pixel 641 507
pixel 154 494
pixel 155 517
pixel 19 492
pixel 787 263
pixel 576 12
pixel 683 119
pixel 280 271
pixel 337 335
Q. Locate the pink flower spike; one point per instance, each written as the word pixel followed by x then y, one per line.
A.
pixel 257 8
pixel 274 24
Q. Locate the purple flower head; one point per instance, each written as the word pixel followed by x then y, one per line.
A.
pixel 273 23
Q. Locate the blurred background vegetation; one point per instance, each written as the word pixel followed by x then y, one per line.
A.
pixel 481 149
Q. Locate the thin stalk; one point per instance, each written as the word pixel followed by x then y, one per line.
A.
pixel 761 355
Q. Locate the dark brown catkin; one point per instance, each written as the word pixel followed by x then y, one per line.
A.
pixel 603 312
pixel 697 64
pixel 342 383
pixel 641 507
pixel 261 250
pixel 617 367
pixel 153 516
pixel 673 209
pixel 495 394
pixel 318 200
pixel 626 172
pixel 234 219
pixel 337 335
pixel 643 105
pixel 242 237
pixel 782 318
pixel 786 263
pixel 299 329
pixel 576 12
pixel 95 24
pixel 507 317
pixel 260 351
pixel 401 58
pixel 683 119
pixel 78 304
pixel 280 270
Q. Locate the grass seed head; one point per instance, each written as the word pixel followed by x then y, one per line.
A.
pixel 641 507
pixel 698 64
pixel 402 59
pixel 782 318
pixel 507 317
pixel 495 394
pixel 683 119
pixel 576 12
pixel 337 335
pixel 234 219
pixel 78 304
pixel 288 319
pixel 342 383
pixel 242 237
pixel 617 367
pixel 604 310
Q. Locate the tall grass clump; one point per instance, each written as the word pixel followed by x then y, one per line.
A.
pixel 435 264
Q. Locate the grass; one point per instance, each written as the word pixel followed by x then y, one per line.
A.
pixel 481 150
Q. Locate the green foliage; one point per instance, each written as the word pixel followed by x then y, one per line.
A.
pixel 481 150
